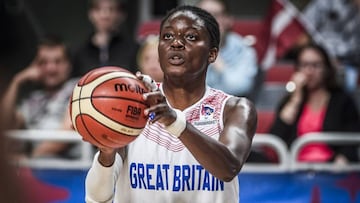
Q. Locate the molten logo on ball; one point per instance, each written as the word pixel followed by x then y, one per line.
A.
pixel 104 117
pixel 129 87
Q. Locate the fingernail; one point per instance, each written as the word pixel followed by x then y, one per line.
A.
pixel 152 115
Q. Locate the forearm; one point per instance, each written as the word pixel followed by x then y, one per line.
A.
pixel 100 180
pixel 213 155
pixel 290 110
pixel 8 104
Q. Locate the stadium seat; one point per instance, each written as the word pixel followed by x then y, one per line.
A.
pixel 151 27
pixel 279 73
pixel 249 28
pixel 265 119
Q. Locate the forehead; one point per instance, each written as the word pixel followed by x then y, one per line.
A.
pixel 51 51
pixel 310 53
pixel 213 7
pixel 182 17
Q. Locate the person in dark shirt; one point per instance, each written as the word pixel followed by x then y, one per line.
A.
pixel 108 44
pixel 316 103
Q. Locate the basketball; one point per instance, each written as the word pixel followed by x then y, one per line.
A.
pixel 107 107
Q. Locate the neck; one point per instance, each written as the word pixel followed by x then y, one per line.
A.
pixel 183 96
pixel 318 98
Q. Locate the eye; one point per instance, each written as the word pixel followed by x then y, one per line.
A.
pixel 190 37
pixel 167 36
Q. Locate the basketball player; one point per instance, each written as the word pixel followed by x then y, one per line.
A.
pixel 197 138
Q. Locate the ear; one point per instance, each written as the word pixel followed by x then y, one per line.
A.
pixel 212 55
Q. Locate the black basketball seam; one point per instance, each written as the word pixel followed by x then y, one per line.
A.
pixel 113 130
pixel 113 119
pixel 82 120
pixel 112 97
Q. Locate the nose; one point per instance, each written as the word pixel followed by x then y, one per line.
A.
pixel 177 43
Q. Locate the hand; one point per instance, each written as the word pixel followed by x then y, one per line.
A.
pixel 148 81
pixel 159 108
pixel 299 80
pixel 107 156
pixel 31 73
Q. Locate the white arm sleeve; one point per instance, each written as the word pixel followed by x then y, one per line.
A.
pixel 100 181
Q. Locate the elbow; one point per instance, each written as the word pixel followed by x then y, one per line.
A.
pixel 232 173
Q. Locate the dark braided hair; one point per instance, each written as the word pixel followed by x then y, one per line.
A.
pixel 210 22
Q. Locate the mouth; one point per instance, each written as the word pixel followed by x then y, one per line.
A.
pixel 176 58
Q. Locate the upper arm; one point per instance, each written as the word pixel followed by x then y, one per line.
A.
pixel 240 121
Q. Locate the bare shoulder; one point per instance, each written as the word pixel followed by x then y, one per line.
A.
pixel 241 112
pixel 239 103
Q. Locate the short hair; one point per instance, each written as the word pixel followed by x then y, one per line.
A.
pixel 52 40
pixel 211 24
pixel 330 79
pixel 120 4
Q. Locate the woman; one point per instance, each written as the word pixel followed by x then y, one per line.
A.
pixel 195 145
pixel 316 104
pixel 148 58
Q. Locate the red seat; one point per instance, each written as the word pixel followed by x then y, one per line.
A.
pixel 151 27
pixel 248 27
pixel 265 120
pixel 279 73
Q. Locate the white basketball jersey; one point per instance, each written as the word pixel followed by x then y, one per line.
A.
pixel 160 169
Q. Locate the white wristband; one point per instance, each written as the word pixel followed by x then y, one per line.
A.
pixel 179 125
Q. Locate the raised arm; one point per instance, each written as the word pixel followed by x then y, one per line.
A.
pixel 11 118
pixel 223 158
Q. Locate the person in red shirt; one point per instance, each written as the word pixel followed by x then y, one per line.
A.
pixel 316 103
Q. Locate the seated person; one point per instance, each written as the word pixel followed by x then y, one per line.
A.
pixel 235 68
pixel 47 106
pixel 148 58
pixel 316 103
pixel 109 43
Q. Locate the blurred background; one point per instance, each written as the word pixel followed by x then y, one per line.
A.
pixel 23 21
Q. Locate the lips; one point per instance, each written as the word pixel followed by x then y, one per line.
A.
pixel 176 58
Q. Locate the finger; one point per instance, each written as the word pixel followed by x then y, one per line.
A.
pixel 153 98
pixel 148 81
pixel 159 112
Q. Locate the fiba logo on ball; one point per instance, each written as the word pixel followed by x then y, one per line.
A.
pixel 107 107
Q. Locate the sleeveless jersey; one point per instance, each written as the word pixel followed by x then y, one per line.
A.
pixel 160 169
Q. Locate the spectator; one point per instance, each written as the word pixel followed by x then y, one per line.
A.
pixel 44 108
pixel 108 44
pixel 335 25
pixel 148 58
pixel 236 67
pixel 317 104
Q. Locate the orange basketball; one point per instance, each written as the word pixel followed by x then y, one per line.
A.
pixel 107 107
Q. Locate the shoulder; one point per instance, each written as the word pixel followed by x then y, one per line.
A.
pixel 240 104
pixel 340 96
pixel 68 86
pixel 235 42
pixel 241 113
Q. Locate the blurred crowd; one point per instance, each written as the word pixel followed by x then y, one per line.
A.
pixel 322 97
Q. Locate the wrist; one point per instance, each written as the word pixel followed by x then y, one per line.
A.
pixel 106 159
pixel 178 126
